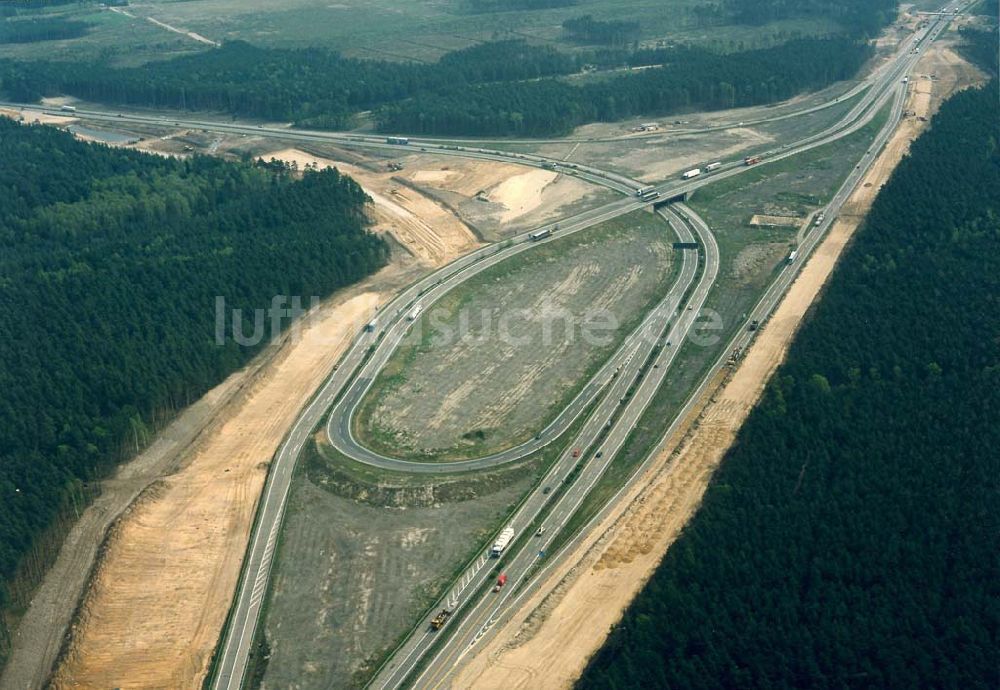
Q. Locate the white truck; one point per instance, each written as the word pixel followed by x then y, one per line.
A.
pixel 691 174
pixel 68 109
pixel 713 166
pixel 503 541
pixel 414 313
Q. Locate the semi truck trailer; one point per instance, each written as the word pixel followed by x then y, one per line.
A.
pixel 502 542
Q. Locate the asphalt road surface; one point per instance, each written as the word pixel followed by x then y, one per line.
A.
pixel 473 625
pixel 474 620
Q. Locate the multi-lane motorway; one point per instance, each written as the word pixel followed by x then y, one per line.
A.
pixel 615 397
pixel 473 610
pixel 599 440
pixel 393 325
pixel 418 661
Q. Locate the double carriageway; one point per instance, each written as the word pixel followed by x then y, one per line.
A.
pixel 616 396
pixel 641 365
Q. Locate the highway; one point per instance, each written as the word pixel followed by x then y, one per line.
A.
pixel 475 619
pixel 479 617
pixel 598 441
pixel 393 324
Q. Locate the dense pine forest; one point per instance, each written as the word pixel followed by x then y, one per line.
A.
pixel 689 79
pixel 858 17
pixel 312 86
pixel 850 538
pixel 110 262
pixel 586 29
pixel 491 89
pixel 499 88
pixel 33 30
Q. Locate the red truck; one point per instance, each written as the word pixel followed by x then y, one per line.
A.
pixel 501 581
pixel 750 160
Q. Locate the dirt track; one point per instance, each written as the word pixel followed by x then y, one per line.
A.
pixel 188 531
pixel 156 606
pixel 548 642
pixel 423 227
pixel 154 610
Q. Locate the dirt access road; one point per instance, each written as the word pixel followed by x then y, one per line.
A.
pixel 169 562
pixel 163 585
pixel 547 643
pixel 427 230
pixel 161 590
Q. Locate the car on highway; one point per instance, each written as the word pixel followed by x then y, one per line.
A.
pixel 547 489
pixel 576 452
pixel 541 531
pixel 599 454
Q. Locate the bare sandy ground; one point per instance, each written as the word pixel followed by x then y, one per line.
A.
pixel 548 642
pixel 497 197
pixel 156 606
pixel 522 193
pixel 425 228
pixel 36 116
pixel 761 219
pixel 40 632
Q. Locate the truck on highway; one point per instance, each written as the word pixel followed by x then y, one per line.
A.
pixel 691 174
pixel 791 256
pixel 750 160
pixel 68 109
pixel 371 326
pixel 439 620
pixel 414 313
pixel 646 192
pixel 712 166
pixel 502 542
pixel 540 234
pixel 501 581
pixel 400 141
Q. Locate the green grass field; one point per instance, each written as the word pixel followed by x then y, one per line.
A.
pixel 386 29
